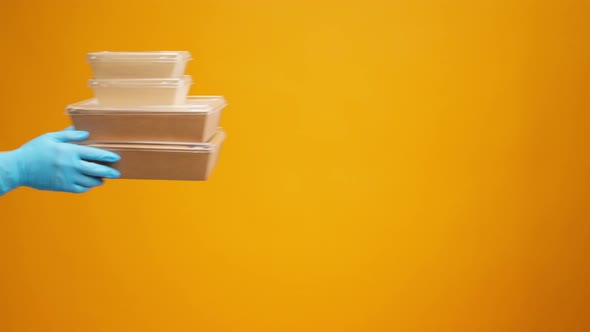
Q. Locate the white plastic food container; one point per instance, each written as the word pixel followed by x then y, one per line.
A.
pixel 195 121
pixel 139 64
pixel 141 91
pixel 164 160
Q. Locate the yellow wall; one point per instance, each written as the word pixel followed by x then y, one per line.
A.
pixel 390 166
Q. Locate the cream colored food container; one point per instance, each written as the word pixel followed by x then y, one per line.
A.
pixel 165 161
pixel 141 91
pixel 139 64
pixel 195 121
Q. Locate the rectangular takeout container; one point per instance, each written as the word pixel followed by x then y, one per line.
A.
pixel 195 121
pixel 141 91
pixel 163 160
pixel 168 64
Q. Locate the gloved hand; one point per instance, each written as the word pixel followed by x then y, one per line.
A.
pixel 51 162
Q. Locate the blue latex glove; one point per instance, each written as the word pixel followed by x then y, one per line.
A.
pixel 51 162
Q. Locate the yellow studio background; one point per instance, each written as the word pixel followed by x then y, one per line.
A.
pixel 390 166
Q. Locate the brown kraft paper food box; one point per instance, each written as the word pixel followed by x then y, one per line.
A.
pixel 196 121
pixel 165 161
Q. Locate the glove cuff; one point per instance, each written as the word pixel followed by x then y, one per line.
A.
pixel 9 172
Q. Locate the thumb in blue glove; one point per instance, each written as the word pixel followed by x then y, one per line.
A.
pixel 51 162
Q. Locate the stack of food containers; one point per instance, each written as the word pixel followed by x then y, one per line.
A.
pixel 142 111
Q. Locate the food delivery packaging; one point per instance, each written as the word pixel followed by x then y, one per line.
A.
pixel 164 160
pixel 194 121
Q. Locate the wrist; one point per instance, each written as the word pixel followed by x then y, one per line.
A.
pixel 9 171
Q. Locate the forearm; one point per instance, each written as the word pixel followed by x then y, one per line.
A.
pixel 8 172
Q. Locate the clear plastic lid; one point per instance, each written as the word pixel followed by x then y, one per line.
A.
pixel 194 104
pixel 140 82
pixel 159 56
pixel 210 146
